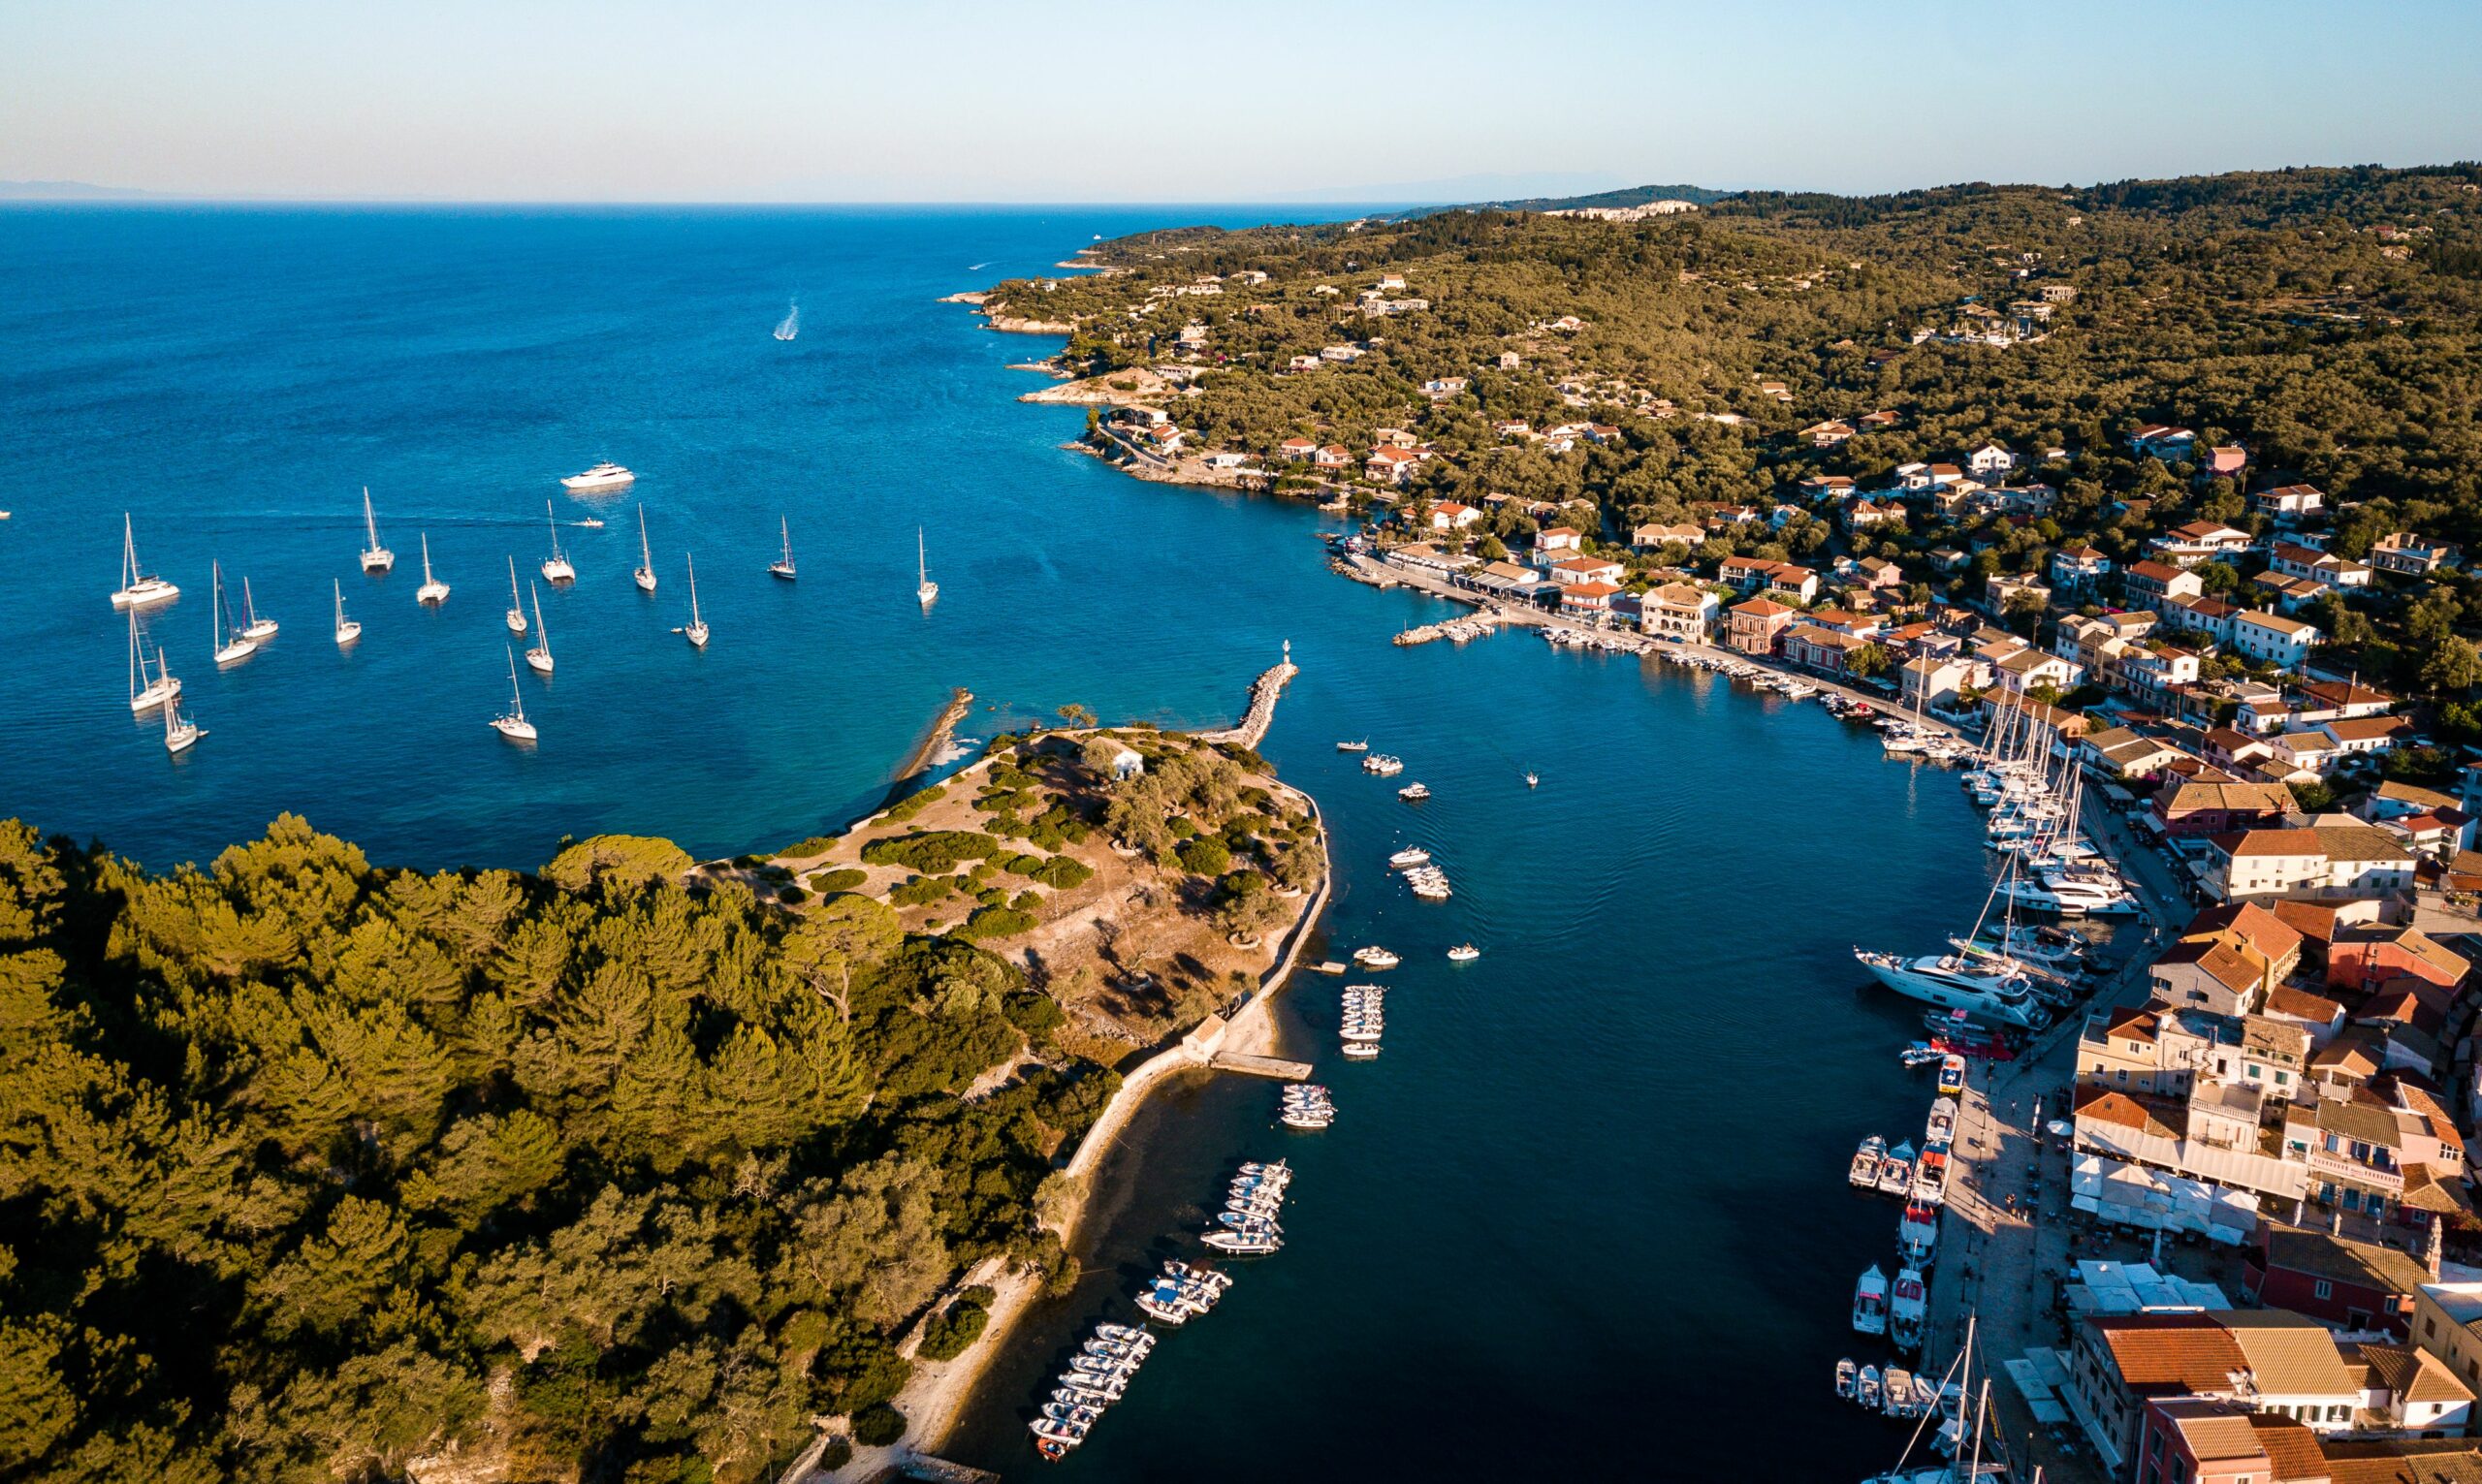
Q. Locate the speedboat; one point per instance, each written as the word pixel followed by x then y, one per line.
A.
pixel 1951 1076
pixel 1921 1053
pixel 1960 982
pixel 1870 1302
pixel 1413 792
pixel 1896 1172
pixel 1942 1127
pixel 1359 1050
pixel 1846 1378
pixel 1375 958
pixel 1243 1243
pixel 1125 1332
pixel 1360 1031
pixel 1865 1389
pixel 1382 764
pixel 603 476
pixel 1464 952
pixel 1073 1414
pixel 1051 1430
pixel 1411 855
pixel 1864 1172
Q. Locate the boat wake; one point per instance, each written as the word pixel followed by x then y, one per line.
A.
pixel 791 325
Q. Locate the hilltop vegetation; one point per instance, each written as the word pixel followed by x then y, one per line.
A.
pixel 310 1169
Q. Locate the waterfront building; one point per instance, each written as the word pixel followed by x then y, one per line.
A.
pixel 2196 806
pixel 2335 863
pixel 1752 625
pixel 1815 647
pixel 2350 1282
pixel 1679 611
pixel 1929 682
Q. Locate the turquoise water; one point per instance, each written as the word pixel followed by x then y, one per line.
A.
pixel 1586 1213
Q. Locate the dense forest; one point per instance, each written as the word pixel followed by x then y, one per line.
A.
pixel 2329 321
pixel 311 1168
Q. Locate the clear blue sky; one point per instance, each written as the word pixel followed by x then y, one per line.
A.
pixel 1105 100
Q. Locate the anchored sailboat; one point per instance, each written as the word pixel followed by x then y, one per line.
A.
pixel 231 646
pixel 645 576
pixel 137 589
pixel 514 726
pixel 374 556
pixel 696 633
pixel 557 568
pixel 145 692
pixel 925 591
pixel 178 733
pixel 539 658
pixel 515 605
pixel 433 591
pixel 347 629
pixel 254 627
pixel 785 567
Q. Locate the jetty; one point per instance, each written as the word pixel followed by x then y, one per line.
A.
pixel 1264 691
pixel 1275 1067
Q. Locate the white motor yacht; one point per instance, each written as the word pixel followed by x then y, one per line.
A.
pixel 603 476
pixel 1411 855
pixel 347 629
pixel 1994 991
pixel 433 592
pixel 137 588
pixel 556 567
pixel 375 557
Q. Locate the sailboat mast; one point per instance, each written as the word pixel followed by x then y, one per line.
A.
pixel 542 635
pixel 921 557
pixel 128 551
pixel 133 654
pixel 645 560
pixel 693 588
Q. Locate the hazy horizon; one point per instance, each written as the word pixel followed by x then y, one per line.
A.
pixel 776 103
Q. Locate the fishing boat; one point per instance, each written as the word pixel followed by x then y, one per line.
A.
pixel 137 588
pixel 1413 793
pixel 539 658
pixel 514 726
pixel 1464 952
pixel 790 325
pixel 1375 958
pixel 255 628
pixel 1363 745
pixel 1411 855
pixel 925 591
pixel 645 576
pixel 374 556
pixel 1864 1172
pixel 231 646
pixel 1896 1172
pixel 784 566
pixel 1846 1378
pixel 1870 1302
pixel 696 632
pixel 1908 1310
pixel 146 691
pixel 433 591
pixel 603 476
pixel 347 629
pixel 556 567
pixel 1952 1075
pixel 178 735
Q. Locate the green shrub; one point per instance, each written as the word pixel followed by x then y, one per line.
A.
pixel 992 897
pixel 935 850
pixel 1037 1015
pixel 1182 828
pixel 1242 883
pixel 920 891
pixel 749 861
pixel 877 1425
pixel 837 1453
pixel 842 880
pixel 817 845
pixel 1021 864
pixel 791 895
pixel 1205 854
pixel 1027 902
pixel 914 804
pixel 991 922
pixel 948 1333
pixel 1061 873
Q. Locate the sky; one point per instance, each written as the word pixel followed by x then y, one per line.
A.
pixel 1277 99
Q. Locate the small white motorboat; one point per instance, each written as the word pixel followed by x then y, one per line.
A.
pixel 1413 792
pixel 1847 1377
pixel 1411 855
pixel 1375 958
pixel 1360 1050
pixel 1464 952
pixel 1363 745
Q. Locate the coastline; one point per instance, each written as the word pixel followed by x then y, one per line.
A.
pixel 939 1394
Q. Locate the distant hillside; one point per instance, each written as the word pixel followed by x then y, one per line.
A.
pixel 68 190
pixel 1633 196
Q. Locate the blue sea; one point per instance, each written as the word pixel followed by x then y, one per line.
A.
pixel 1586 1214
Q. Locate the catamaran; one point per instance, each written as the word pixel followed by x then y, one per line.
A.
pixel 539 658
pixel 791 324
pixel 145 692
pixel 347 630
pixel 925 591
pixel 514 726
pixel 374 556
pixel 696 633
pixel 253 627
pixel 137 588
pixel 603 476
pixel 516 604
pixel 178 733
pixel 231 646
pixel 433 591
pixel 645 576
pixel 783 568
pixel 556 567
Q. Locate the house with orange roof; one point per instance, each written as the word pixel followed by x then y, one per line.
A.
pixel 1752 625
